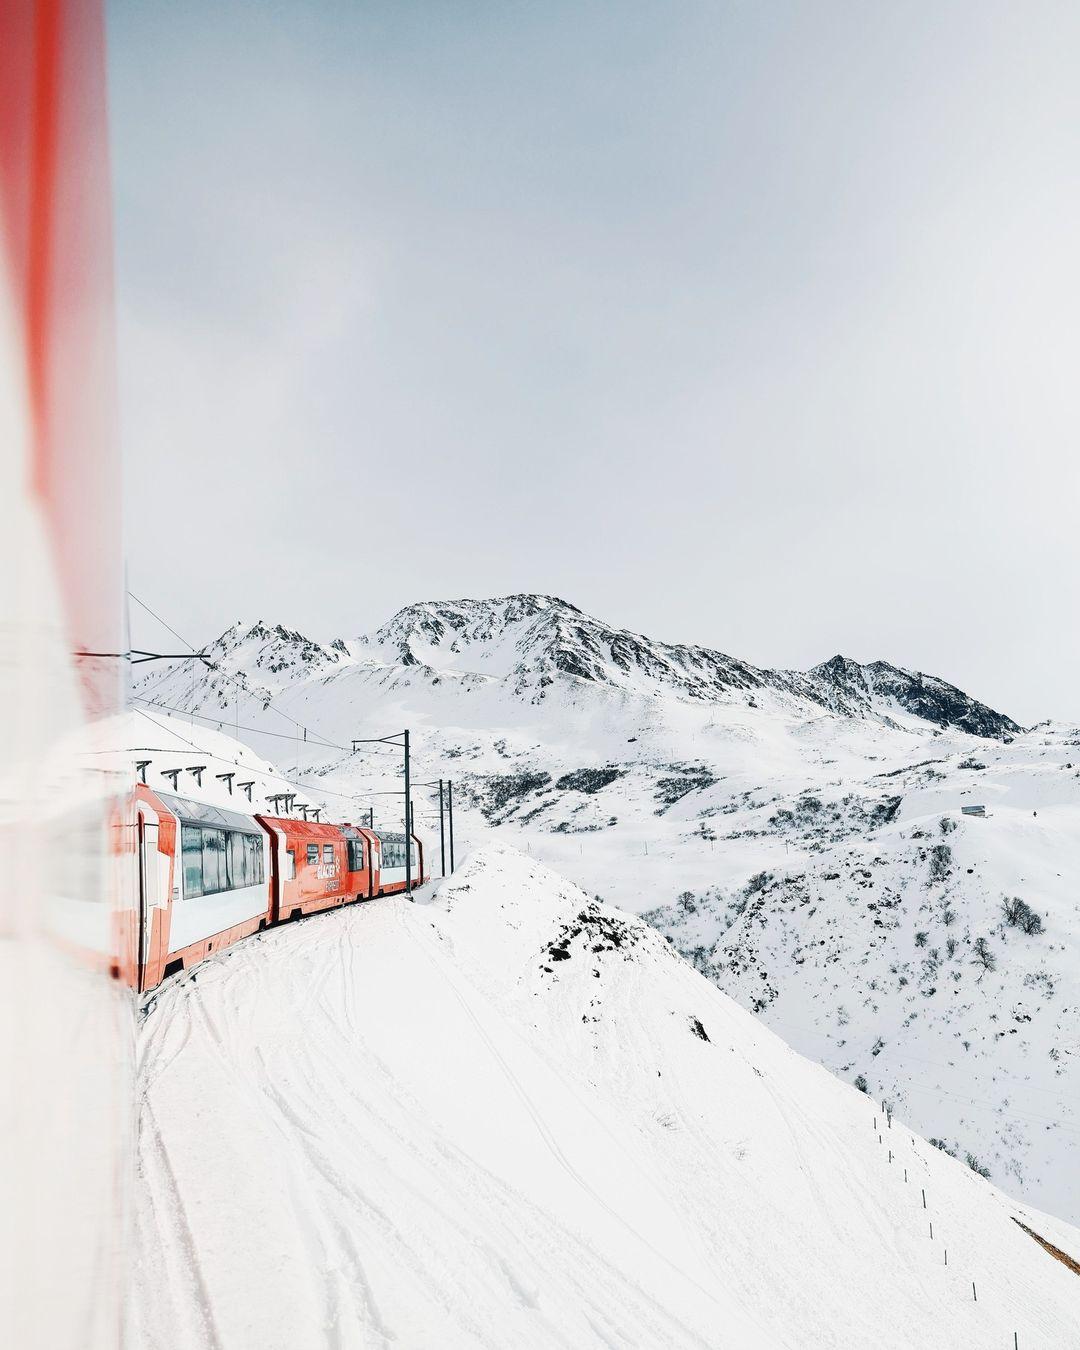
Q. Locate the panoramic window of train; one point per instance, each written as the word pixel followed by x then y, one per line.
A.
pixel 245 860
pixel 191 844
pixel 253 846
pixel 214 877
pixel 221 860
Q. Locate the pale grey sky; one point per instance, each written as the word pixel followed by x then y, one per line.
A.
pixel 751 325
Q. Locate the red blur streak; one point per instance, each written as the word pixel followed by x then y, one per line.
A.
pixel 55 220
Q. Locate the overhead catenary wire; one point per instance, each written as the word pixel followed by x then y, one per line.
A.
pixel 315 789
pixel 217 666
pixel 221 759
pixel 385 744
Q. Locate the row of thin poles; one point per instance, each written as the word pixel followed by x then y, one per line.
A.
pixel 446 805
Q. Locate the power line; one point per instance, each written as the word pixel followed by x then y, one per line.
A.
pixel 390 742
pixel 255 731
pixel 238 681
pixel 144 605
pixel 221 721
pixel 354 797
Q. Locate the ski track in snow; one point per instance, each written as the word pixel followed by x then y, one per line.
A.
pixel 389 1126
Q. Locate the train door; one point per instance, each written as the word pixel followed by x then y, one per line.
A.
pixel 149 897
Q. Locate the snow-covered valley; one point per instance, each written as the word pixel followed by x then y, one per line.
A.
pixel 798 836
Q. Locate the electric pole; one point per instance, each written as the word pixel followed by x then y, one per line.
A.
pixel 442 829
pixel 450 813
pixel 408 824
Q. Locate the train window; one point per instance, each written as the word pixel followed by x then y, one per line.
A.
pixel 237 860
pixel 220 860
pixel 245 860
pixel 214 872
pixel 290 865
pixel 312 854
pixel 393 854
pixel 356 855
pixel 328 853
pixel 253 846
pixel 191 843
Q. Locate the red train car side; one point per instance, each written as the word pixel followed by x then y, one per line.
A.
pixel 312 867
pixel 210 874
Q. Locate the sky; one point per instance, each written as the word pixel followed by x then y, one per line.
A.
pixel 746 325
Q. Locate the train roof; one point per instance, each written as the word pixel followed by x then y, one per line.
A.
pixel 203 813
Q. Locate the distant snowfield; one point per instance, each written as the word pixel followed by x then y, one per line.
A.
pixel 510 1117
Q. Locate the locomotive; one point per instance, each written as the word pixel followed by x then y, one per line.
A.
pixel 210 873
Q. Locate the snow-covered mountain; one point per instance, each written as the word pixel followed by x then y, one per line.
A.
pixel 534 639
pixel 529 642
pixel 800 836
pixel 512 1116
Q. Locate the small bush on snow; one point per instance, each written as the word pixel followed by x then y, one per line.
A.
pixel 940 861
pixel 1019 914
pixel 984 957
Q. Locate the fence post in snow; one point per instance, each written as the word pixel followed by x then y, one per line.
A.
pixel 924 1199
pixel 974 1295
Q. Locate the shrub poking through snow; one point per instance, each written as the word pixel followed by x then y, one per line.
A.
pixel 1019 914
pixel 588 780
pixel 984 957
pixel 940 861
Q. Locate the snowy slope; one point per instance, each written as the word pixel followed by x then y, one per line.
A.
pixel 782 828
pixel 513 1117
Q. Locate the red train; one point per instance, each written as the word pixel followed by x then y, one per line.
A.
pixel 210 874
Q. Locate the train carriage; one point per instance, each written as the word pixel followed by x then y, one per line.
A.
pixel 313 867
pixel 210 874
pixel 204 874
pixel 389 851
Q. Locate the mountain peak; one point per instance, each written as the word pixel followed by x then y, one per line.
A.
pixel 890 688
pixel 537 640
